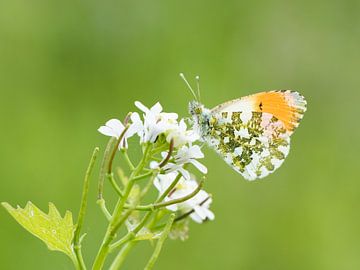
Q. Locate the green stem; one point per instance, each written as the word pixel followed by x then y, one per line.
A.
pixel 168 156
pixel 170 188
pixel 142 176
pixel 130 235
pixel 152 207
pixel 104 166
pixel 160 243
pixel 181 217
pixel 120 258
pixel 117 219
pixel 103 208
pixel 116 148
pixel 114 184
pixel 76 261
pixel 81 217
pixel 127 159
pixel 109 237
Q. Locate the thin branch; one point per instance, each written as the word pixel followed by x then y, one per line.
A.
pixel 118 218
pixel 104 165
pixel 151 207
pixel 168 156
pixel 120 258
pixel 122 135
pixel 84 199
pixel 160 243
pixel 127 159
pixel 181 217
pixel 114 184
pixel 131 234
pixel 103 208
pixel 142 176
pixel 191 211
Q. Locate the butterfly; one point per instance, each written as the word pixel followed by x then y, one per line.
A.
pixel 252 133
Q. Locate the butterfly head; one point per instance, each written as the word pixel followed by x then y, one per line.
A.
pixel 195 108
pixel 200 115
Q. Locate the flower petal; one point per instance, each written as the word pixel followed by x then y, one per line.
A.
pixel 196 152
pixel 156 109
pixel 107 131
pixel 202 168
pixel 142 107
pixel 195 217
pixel 115 124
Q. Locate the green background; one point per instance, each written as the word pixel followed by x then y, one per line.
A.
pixel 68 66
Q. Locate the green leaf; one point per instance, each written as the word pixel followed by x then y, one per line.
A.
pixel 56 232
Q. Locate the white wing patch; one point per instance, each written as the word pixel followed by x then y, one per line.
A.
pixel 254 148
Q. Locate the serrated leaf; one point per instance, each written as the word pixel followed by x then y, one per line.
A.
pixel 56 232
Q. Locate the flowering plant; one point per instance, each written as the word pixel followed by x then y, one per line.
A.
pixel 169 153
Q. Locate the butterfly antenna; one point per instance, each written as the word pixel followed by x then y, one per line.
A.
pixel 188 85
pixel 198 86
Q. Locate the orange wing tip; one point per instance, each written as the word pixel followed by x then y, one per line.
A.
pixel 286 105
pixel 297 107
pixel 296 100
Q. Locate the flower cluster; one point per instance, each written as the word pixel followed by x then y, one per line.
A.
pixel 197 207
pixel 149 126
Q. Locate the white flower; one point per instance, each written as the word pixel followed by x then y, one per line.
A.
pixel 155 122
pixel 180 135
pixel 114 128
pixel 186 154
pixel 199 204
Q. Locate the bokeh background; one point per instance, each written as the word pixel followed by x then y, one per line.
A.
pixel 68 66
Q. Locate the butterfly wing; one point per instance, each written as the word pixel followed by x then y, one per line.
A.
pixel 286 105
pixel 252 134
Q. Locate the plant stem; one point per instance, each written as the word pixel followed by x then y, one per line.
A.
pixel 151 207
pixel 181 217
pixel 120 258
pixel 130 235
pixel 114 184
pixel 122 135
pixel 127 159
pixel 142 176
pixel 117 218
pixel 104 166
pixel 84 199
pixel 168 156
pixel 160 243
pixel 103 208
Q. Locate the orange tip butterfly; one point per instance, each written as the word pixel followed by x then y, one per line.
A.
pixel 252 133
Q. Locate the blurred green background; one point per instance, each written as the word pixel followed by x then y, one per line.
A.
pixel 68 66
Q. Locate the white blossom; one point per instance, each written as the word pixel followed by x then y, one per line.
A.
pixel 155 122
pixel 180 135
pixel 114 128
pixel 186 154
pixel 199 204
